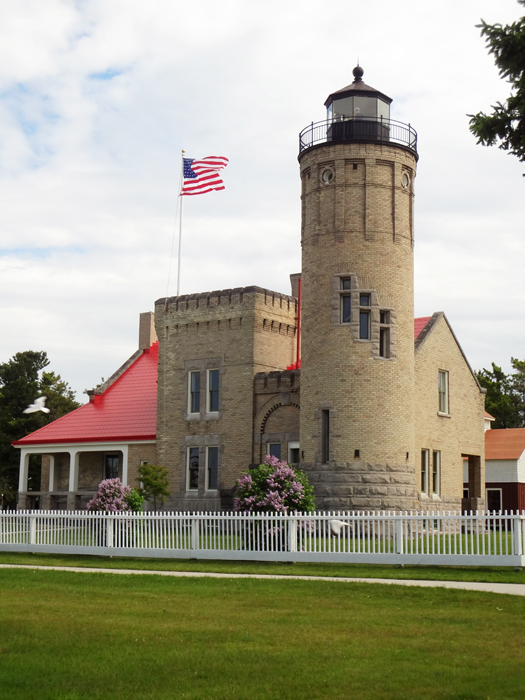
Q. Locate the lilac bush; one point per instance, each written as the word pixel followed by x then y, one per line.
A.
pixel 274 487
pixel 113 497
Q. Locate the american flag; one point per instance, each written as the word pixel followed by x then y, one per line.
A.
pixel 201 176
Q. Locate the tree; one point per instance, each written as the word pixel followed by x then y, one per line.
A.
pixel 113 497
pixel 505 399
pixel 506 125
pixel 154 484
pixel 22 380
pixel 274 486
pixel 499 401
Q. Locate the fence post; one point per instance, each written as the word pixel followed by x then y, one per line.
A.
pixel 516 524
pixel 109 532
pixel 399 535
pixel 292 535
pixel 32 529
pixel 194 533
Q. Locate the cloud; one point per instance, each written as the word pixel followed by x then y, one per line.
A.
pixel 98 98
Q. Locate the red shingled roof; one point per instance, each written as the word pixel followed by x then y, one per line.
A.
pixel 504 444
pixel 419 324
pixel 126 410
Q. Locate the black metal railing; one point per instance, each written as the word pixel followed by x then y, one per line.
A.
pixel 359 129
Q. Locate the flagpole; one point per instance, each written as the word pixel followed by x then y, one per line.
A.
pixel 180 226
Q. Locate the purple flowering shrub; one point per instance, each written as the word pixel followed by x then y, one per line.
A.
pixel 113 497
pixel 274 487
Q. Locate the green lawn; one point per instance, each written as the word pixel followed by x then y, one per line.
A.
pixel 437 573
pixel 67 636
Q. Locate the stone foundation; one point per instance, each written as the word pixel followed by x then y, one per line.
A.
pixel 363 486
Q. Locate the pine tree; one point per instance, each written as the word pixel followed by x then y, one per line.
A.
pixel 505 126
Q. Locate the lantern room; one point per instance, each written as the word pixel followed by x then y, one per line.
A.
pixel 358 101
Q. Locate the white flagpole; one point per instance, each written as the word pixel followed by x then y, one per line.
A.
pixel 180 226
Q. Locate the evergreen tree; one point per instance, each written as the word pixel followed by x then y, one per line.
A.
pixel 506 124
pixel 500 399
pixel 22 380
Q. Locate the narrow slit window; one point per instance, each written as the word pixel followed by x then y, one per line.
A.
pixel 443 391
pixel 345 299
pixel 325 436
pixel 364 325
pixel 346 310
pixel 436 471
pixel 424 471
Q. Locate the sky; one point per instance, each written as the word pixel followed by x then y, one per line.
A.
pixel 99 97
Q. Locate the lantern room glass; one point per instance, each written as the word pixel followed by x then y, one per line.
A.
pixel 358 107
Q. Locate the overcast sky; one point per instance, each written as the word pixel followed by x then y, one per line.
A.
pixel 98 97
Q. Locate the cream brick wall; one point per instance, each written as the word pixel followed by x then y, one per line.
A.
pixel 240 332
pixel 462 432
pixel 359 224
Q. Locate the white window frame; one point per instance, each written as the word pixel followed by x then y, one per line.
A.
pixel 208 448
pixel 443 373
pixel 190 393
pixel 435 476
pixel 425 455
pixel 188 481
pixel 208 389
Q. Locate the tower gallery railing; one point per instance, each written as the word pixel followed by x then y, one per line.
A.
pixel 363 129
pixel 494 539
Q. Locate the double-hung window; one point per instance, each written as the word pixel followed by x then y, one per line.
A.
pixel 443 391
pixel 194 402
pixel 213 391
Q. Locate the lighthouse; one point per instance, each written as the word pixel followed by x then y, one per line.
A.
pixel 357 433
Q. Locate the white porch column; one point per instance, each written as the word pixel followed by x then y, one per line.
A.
pixel 74 458
pixel 24 471
pixel 124 449
pixel 51 486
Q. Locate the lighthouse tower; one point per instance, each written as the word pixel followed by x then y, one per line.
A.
pixel 357 337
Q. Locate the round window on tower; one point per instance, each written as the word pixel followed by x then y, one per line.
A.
pixel 405 180
pixel 327 176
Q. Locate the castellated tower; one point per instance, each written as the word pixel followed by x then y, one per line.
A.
pixel 357 337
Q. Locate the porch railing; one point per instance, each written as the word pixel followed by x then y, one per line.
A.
pixel 496 539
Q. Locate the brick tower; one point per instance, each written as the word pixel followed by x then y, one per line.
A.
pixel 357 373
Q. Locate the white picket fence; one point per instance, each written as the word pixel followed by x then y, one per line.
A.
pixel 492 539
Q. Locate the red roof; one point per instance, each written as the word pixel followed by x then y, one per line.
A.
pixel 126 410
pixel 419 324
pixel 504 444
pixel 488 416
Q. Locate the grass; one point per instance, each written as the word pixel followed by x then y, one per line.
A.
pixel 69 637
pixel 432 573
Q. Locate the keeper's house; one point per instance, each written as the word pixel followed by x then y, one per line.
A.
pixel 380 410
